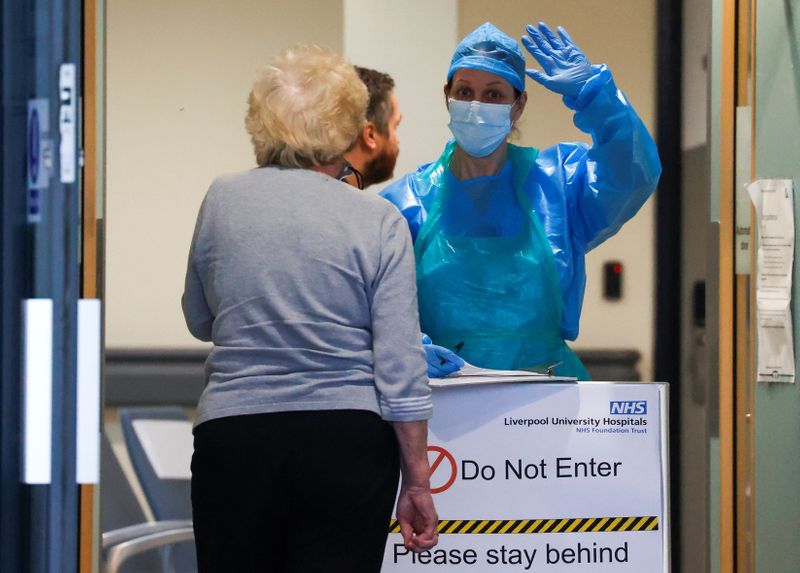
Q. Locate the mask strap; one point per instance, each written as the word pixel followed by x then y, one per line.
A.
pixel 515 102
pixel 359 178
pixel 348 170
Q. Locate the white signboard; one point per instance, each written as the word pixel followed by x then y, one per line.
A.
pixel 546 478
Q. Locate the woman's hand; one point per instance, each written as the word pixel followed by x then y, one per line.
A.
pixel 416 513
pixel 417 518
pixel 565 66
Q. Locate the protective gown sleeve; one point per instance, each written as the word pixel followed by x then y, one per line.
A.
pixel 608 183
pixel 411 194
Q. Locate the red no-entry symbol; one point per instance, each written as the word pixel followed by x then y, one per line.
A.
pixel 445 475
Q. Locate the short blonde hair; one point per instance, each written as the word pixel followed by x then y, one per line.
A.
pixel 306 108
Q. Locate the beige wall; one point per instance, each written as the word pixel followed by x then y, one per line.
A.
pixel 622 34
pixel 179 72
pixel 416 52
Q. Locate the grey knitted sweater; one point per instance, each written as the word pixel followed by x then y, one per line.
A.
pixel 306 287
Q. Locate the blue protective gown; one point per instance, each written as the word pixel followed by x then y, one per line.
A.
pixel 581 195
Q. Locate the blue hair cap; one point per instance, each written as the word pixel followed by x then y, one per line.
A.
pixel 487 48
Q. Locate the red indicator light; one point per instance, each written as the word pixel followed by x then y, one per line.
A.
pixel 612 280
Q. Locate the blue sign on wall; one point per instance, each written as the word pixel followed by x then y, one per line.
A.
pixel 39 155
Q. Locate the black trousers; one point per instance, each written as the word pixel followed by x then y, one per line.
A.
pixel 293 492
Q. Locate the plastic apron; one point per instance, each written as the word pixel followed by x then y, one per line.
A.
pixel 494 299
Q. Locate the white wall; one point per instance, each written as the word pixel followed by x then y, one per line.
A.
pixel 179 72
pixel 622 34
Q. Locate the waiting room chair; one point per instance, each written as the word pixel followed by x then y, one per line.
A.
pixel 131 543
pixel 159 442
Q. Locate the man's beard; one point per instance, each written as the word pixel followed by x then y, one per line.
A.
pixel 379 169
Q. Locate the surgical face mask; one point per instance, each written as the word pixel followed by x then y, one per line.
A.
pixel 479 128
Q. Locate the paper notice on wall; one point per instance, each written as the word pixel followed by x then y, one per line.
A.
pixel 774 204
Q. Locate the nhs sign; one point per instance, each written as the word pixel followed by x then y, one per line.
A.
pixel 633 407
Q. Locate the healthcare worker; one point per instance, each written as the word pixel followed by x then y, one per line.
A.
pixel 501 231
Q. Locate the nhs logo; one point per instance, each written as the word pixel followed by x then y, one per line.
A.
pixel 633 407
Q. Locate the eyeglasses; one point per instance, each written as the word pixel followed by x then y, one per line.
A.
pixel 348 170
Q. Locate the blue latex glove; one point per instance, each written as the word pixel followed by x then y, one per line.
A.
pixel 565 66
pixel 441 361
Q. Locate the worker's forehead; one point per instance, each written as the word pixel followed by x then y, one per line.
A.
pixel 479 77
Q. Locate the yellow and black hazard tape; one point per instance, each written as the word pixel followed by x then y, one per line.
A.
pixel 529 526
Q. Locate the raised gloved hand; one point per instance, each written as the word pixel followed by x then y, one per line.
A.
pixel 441 361
pixel 565 66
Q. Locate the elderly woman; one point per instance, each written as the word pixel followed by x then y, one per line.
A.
pixel 501 231
pixel 316 386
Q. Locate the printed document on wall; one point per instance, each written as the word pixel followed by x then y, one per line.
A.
pixel 774 204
